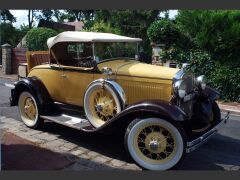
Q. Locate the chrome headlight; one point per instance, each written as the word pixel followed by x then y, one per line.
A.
pixel 201 82
pixel 180 88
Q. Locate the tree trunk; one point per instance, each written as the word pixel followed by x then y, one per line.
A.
pixel 30 18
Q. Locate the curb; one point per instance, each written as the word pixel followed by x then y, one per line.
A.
pixel 7 84
pixel 231 109
pixel 8 78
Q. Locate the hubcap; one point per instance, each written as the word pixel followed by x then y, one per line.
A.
pixel 28 109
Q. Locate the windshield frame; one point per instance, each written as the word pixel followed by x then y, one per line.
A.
pixel 115 58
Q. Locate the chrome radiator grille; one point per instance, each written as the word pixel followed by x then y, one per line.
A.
pixel 188 79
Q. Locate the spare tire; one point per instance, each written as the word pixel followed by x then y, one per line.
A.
pixel 103 100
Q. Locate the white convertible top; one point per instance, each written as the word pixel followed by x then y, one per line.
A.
pixel 75 36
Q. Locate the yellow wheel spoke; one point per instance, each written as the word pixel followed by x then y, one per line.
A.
pixel 156 143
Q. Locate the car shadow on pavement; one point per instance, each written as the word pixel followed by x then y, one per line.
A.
pixel 219 153
pixel 20 154
pixel 107 145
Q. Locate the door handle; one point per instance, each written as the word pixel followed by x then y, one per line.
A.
pixel 64 75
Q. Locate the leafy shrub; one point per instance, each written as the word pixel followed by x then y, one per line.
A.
pixel 226 79
pixel 201 63
pixel 223 77
pixel 104 27
pixel 36 38
pixel 9 34
pixel 163 31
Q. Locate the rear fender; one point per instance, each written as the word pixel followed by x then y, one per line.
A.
pixel 35 86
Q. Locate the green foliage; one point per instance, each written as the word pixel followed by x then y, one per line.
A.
pixel 46 14
pixel 133 23
pixel 10 34
pixel 201 63
pixel 36 38
pixel 6 16
pixel 177 46
pixel 86 16
pixel 217 32
pixel 164 32
pixel 104 27
pixel 225 78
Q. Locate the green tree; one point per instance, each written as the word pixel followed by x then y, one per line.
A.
pixel 36 38
pixel 104 27
pixel 6 16
pixel 177 46
pixel 132 23
pixel 8 34
pixel 59 15
pixel 46 14
pixel 217 32
pixel 86 16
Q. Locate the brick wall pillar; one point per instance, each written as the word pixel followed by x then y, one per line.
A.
pixel 6 59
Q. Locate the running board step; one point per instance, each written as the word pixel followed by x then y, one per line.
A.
pixel 70 121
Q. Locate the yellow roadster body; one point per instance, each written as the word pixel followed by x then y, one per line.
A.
pixel 140 81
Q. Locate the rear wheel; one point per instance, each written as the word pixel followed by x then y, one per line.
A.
pixel 155 144
pixel 29 110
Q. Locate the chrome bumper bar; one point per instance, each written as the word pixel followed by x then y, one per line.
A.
pixel 192 145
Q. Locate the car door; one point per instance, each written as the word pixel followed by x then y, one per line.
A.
pixel 75 83
pixel 77 71
pixel 51 76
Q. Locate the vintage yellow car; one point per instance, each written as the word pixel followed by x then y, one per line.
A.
pixel 97 82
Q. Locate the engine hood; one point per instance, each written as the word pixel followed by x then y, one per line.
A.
pixel 139 69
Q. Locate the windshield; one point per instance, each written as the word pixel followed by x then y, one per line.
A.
pixel 110 50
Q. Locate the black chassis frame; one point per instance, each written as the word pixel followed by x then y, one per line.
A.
pixel 141 109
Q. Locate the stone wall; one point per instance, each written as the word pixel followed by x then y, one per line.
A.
pixel 6 59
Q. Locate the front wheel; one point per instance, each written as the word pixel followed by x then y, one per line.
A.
pixel 155 144
pixel 29 110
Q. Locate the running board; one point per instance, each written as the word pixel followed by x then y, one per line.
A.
pixel 70 121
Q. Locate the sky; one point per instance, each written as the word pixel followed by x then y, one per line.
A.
pixel 21 16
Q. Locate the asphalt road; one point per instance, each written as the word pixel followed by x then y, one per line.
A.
pixel 221 152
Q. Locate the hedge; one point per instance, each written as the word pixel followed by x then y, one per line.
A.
pixel 36 38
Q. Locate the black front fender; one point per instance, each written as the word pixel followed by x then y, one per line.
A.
pixel 211 94
pixel 34 86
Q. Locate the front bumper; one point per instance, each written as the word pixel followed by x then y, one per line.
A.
pixel 192 145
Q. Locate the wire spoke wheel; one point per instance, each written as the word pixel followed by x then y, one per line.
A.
pixel 101 104
pixel 154 144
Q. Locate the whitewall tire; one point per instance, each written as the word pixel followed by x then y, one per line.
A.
pixel 29 110
pixel 155 144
